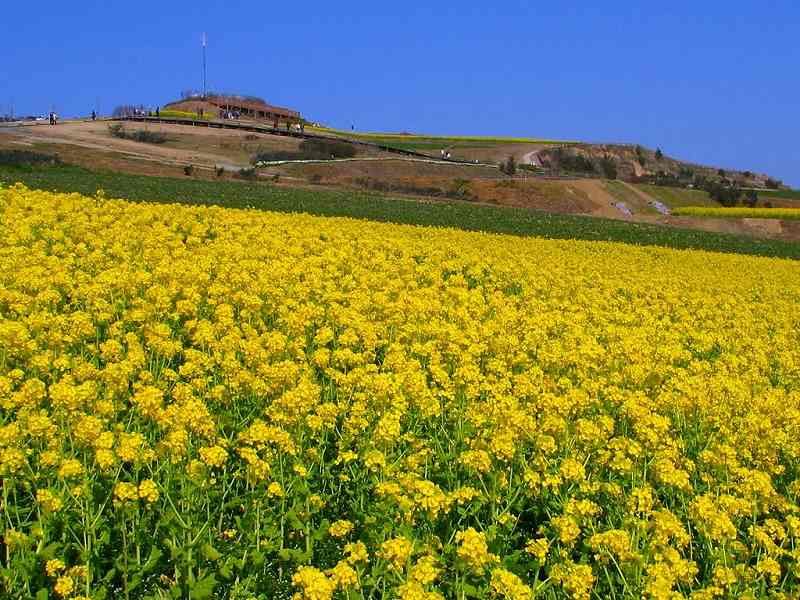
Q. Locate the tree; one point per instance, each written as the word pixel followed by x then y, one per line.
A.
pixel 751 198
pixel 609 167
pixel 726 195
pixel 510 166
pixel 641 157
pixel 659 154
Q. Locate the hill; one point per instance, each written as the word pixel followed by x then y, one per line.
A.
pixel 566 178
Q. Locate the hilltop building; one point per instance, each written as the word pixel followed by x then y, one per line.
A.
pixel 254 108
pixel 232 105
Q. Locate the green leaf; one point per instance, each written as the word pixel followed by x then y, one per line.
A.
pixel 152 560
pixel 294 522
pixel 203 588
pixel 210 553
pixel 42 594
pixel 226 572
pixel 49 551
pixel 257 558
pixel 297 556
pixel 322 531
pixel 470 591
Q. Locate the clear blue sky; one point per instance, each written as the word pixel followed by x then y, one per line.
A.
pixel 712 81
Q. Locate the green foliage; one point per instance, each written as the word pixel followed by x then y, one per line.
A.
pixel 781 194
pixel 573 162
pixel 609 167
pixel 310 149
pixel 188 170
pixel 378 207
pixel 677 196
pixel 641 157
pixel 26 157
pixel 145 136
pixel 726 195
pixel 659 154
pixel 509 167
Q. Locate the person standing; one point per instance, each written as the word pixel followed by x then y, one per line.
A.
pixel 94 116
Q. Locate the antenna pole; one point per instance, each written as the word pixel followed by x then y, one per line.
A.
pixel 204 65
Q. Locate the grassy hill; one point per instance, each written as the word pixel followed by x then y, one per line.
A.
pixel 677 197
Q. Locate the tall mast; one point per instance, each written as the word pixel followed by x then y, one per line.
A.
pixel 204 64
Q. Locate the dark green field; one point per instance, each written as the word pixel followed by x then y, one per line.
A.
pixel 430 147
pixel 364 205
pixel 782 194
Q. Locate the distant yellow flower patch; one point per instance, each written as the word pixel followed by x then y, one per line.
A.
pixel 738 212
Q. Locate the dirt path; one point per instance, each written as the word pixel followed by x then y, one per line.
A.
pixel 532 158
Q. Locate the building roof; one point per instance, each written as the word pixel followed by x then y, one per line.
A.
pixel 250 104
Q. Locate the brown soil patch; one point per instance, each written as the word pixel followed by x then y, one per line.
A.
pixel 389 169
pixel 602 201
pixel 185 145
pixel 497 153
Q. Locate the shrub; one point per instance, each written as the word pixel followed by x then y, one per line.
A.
pixel 573 163
pixel 248 173
pixel 188 170
pixel 460 188
pixel 220 171
pixel 726 195
pixel 659 154
pixel 641 157
pixel 26 157
pixel 609 167
pixel 118 130
pixel 509 167
pixel 311 149
pixel 148 137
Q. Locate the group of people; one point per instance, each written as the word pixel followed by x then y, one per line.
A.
pixel 53 118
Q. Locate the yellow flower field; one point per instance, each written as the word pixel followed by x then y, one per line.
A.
pixel 738 212
pixel 210 403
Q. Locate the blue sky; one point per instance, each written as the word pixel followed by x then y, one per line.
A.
pixel 713 82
